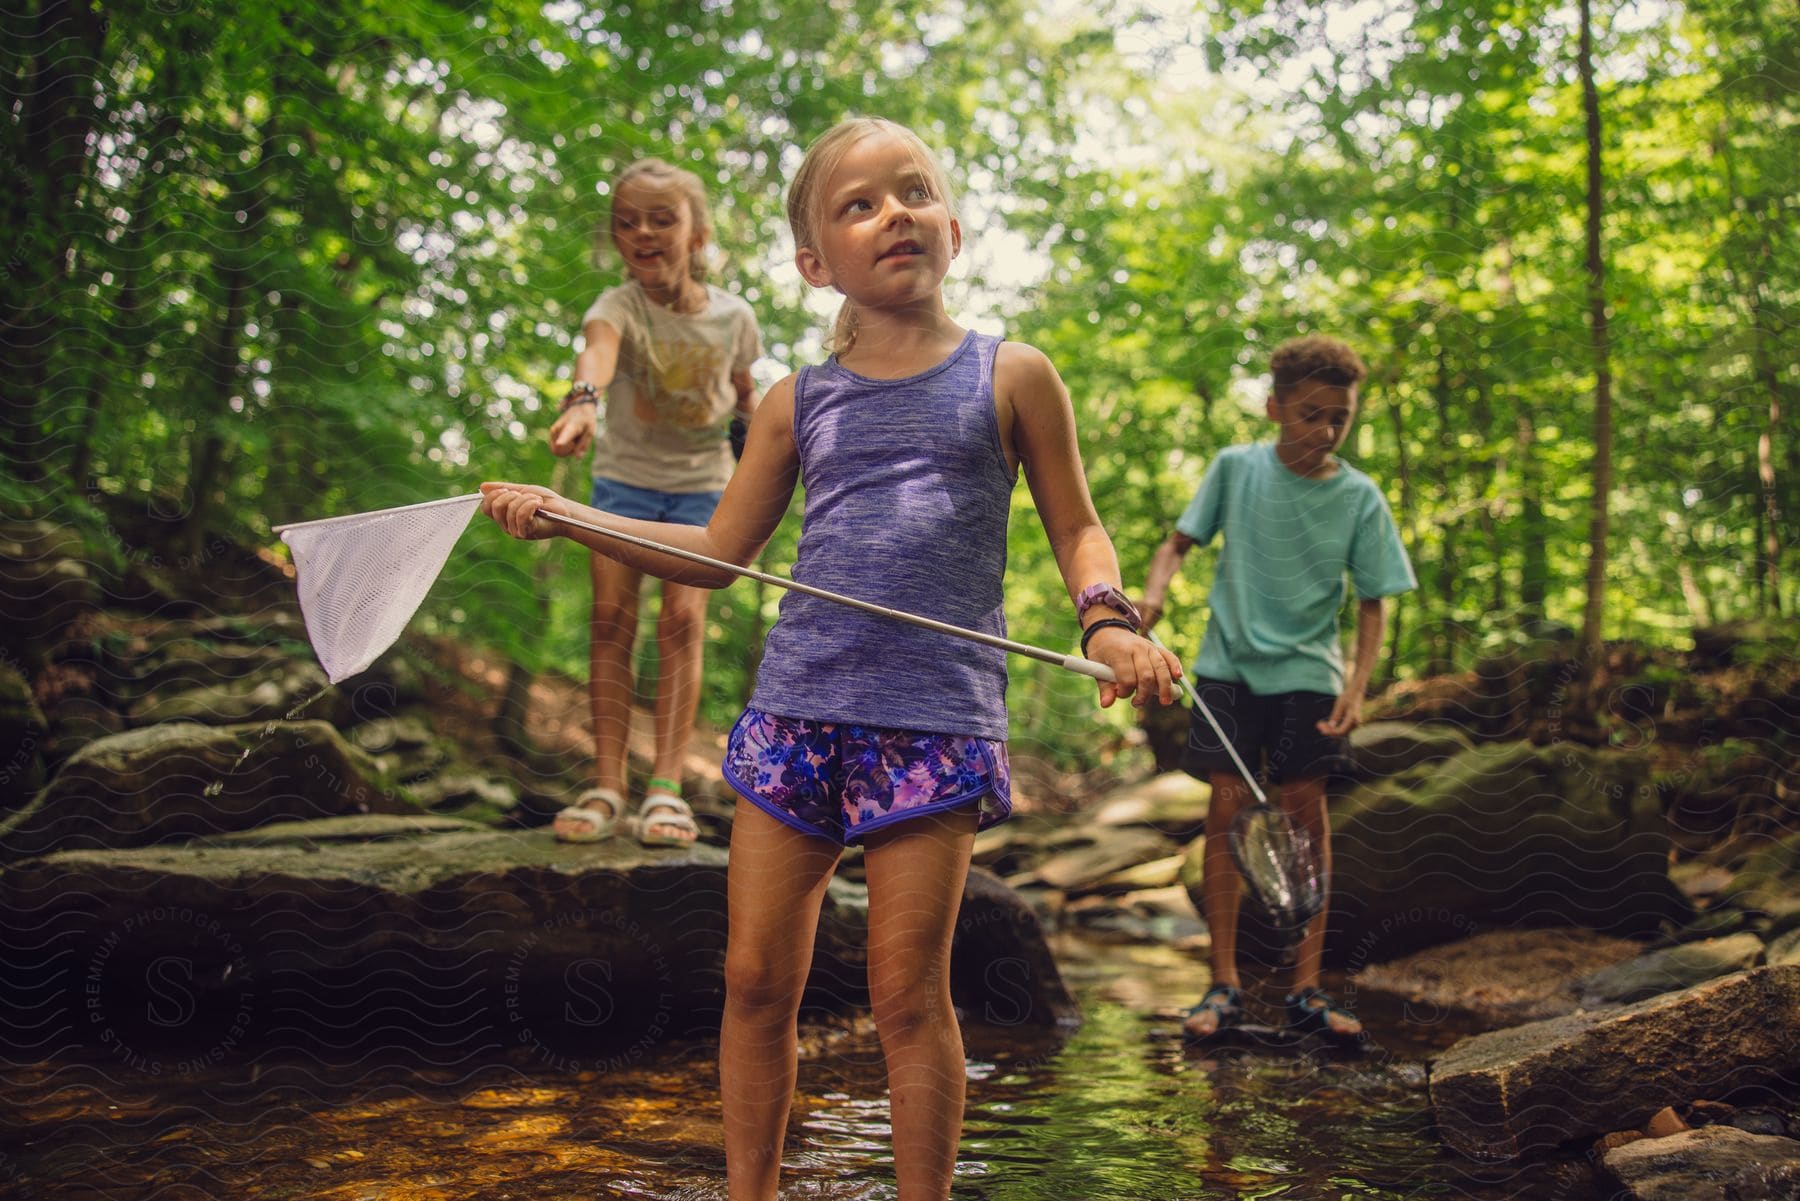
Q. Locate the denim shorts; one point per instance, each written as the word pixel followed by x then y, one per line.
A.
pixel 841 781
pixel 647 504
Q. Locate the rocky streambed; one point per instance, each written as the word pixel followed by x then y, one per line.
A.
pixel 220 864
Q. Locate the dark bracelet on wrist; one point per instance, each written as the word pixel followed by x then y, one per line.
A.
pixel 581 393
pixel 1102 624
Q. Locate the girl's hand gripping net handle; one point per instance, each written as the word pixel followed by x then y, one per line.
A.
pixel 1074 663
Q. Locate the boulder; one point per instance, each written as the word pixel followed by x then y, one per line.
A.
pixel 1173 803
pixel 468 794
pixel 1157 873
pixel 1730 642
pixel 1502 835
pixel 1114 849
pixel 22 737
pixel 75 721
pixel 1001 969
pixel 184 779
pixel 404 746
pixel 1769 882
pixel 1669 970
pixel 1156 915
pixel 1711 924
pixel 282 690
pixel 327 933
pixel 1784 950
pixel 222 670
pixel 1501 977
pixel 1386 748
pixel 1712 1163
pixel 45 584
pixel 1516 1092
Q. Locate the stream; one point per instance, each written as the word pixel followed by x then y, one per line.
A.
pixel 1120 1110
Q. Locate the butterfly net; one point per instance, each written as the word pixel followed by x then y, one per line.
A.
pixel 1279 864
pixel 362 576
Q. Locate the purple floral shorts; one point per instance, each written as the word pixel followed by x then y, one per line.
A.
pixel 841 781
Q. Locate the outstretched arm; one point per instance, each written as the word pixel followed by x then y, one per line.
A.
pixel 573 431
pixel 754 503
pixel 1043 435
pixel 1163 566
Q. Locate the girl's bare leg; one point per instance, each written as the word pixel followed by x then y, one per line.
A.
pixel 774 889
pixel 680 647
pixel 612 629
pixel 916 873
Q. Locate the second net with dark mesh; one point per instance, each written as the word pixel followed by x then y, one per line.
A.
pixel 1280 865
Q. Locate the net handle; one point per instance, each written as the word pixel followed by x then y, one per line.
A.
pixel 1075 663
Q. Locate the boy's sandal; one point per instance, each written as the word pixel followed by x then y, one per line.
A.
pixel 663 808
pixel 1225 1002
pixel 581 822
pixel 1310 1011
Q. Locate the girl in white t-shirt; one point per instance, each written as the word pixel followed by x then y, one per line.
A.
pixel 672 356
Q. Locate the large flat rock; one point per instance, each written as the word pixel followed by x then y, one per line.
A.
pixel 427 931
pixel 1531 1088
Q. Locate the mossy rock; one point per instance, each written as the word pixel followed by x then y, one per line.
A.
pixel 1506 834
pixel 183 780
pixel 22 735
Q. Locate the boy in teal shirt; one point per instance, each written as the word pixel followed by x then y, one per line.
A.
pixel 1295 519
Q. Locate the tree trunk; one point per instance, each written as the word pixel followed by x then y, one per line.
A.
pixel 1534 570
pixel 209 456
pixel 1403 467
pixel 1592 626
pixel 250 198
pixel 127 335
pixel 1443 653
pixel 1766 375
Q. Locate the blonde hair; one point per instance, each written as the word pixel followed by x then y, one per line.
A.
pixel 658 174
pixel 805 198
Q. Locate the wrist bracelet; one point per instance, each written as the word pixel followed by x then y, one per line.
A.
pixel 1102 624
pixel 580 393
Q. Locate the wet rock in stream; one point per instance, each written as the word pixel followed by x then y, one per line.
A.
pixel 424 928
pixel 1531 1088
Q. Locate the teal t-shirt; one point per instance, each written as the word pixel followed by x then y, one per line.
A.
pixel 1279 586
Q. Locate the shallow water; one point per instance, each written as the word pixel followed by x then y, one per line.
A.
pixel 1122 1109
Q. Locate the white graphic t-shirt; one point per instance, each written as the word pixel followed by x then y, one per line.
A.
pixel 671 398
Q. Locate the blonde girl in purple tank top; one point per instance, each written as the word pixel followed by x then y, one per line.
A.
pixel 873 218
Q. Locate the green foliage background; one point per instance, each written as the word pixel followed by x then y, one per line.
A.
pixel 269 262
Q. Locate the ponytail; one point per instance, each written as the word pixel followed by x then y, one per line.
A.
pixel 843 330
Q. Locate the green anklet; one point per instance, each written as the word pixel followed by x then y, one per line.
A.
pixel 663 784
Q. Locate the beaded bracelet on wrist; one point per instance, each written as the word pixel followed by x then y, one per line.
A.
pixel 581 393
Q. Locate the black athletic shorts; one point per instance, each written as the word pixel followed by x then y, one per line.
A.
pixel 1276 735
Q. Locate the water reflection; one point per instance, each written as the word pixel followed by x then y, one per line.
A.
pixel 1120 1109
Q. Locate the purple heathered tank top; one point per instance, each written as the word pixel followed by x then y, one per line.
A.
pixel 907 494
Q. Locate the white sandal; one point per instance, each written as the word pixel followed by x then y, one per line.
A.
pixel 666 810
pixel 580 823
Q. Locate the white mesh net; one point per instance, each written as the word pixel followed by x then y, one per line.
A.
pixel 362 576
